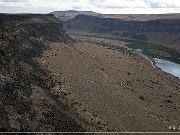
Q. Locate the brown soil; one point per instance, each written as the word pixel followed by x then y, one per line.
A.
pixel 111 88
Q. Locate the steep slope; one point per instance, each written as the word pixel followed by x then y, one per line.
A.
pixel 49 82
pixel 26 103
pixel 162 31
pixel 120 88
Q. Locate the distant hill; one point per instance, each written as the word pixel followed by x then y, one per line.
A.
pixel 159 31
pixel 142 17
pixel 70 14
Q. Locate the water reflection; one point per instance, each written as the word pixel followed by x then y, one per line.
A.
pixel 168 66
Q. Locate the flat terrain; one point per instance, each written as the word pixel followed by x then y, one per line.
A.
pixel 142 17
pixel 111 88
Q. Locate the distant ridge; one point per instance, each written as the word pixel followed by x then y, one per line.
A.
pixel 160 31
pixel 70 14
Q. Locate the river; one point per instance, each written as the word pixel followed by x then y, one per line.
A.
pixel 168 66
pixel 165 65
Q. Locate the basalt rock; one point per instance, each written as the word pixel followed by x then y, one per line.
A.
pixel 22 39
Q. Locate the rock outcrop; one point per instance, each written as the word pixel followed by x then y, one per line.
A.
pixel 25 100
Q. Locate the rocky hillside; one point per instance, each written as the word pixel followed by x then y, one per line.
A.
pixel 50 82
pixel 161 31
pixel 111 87
pixel 26 104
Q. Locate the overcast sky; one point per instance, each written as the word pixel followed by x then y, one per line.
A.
pixel 100 6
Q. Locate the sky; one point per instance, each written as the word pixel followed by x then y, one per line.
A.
pixel 100 6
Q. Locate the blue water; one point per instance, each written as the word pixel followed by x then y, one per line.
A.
pixel 165 65
pixel 168 66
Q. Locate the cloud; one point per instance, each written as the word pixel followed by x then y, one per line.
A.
pixel 101 6
pixel 15 0
pixel 136 6
pixel 136 3
pixel 97 0
pixel 77 7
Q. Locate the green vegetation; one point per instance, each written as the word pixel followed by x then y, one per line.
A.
pixel 149 49
pixel 154 50
pixel 159 53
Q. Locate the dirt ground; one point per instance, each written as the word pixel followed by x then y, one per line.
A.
pixel 111 89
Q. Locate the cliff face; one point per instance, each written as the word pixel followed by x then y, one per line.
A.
pixel 38 26
pixel 24 104
pixel 150 30
pixel 116 24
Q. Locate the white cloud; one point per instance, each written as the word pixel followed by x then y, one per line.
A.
pixel 101 6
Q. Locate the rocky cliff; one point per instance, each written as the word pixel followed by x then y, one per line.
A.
pixel 160 31
pixel 26 103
